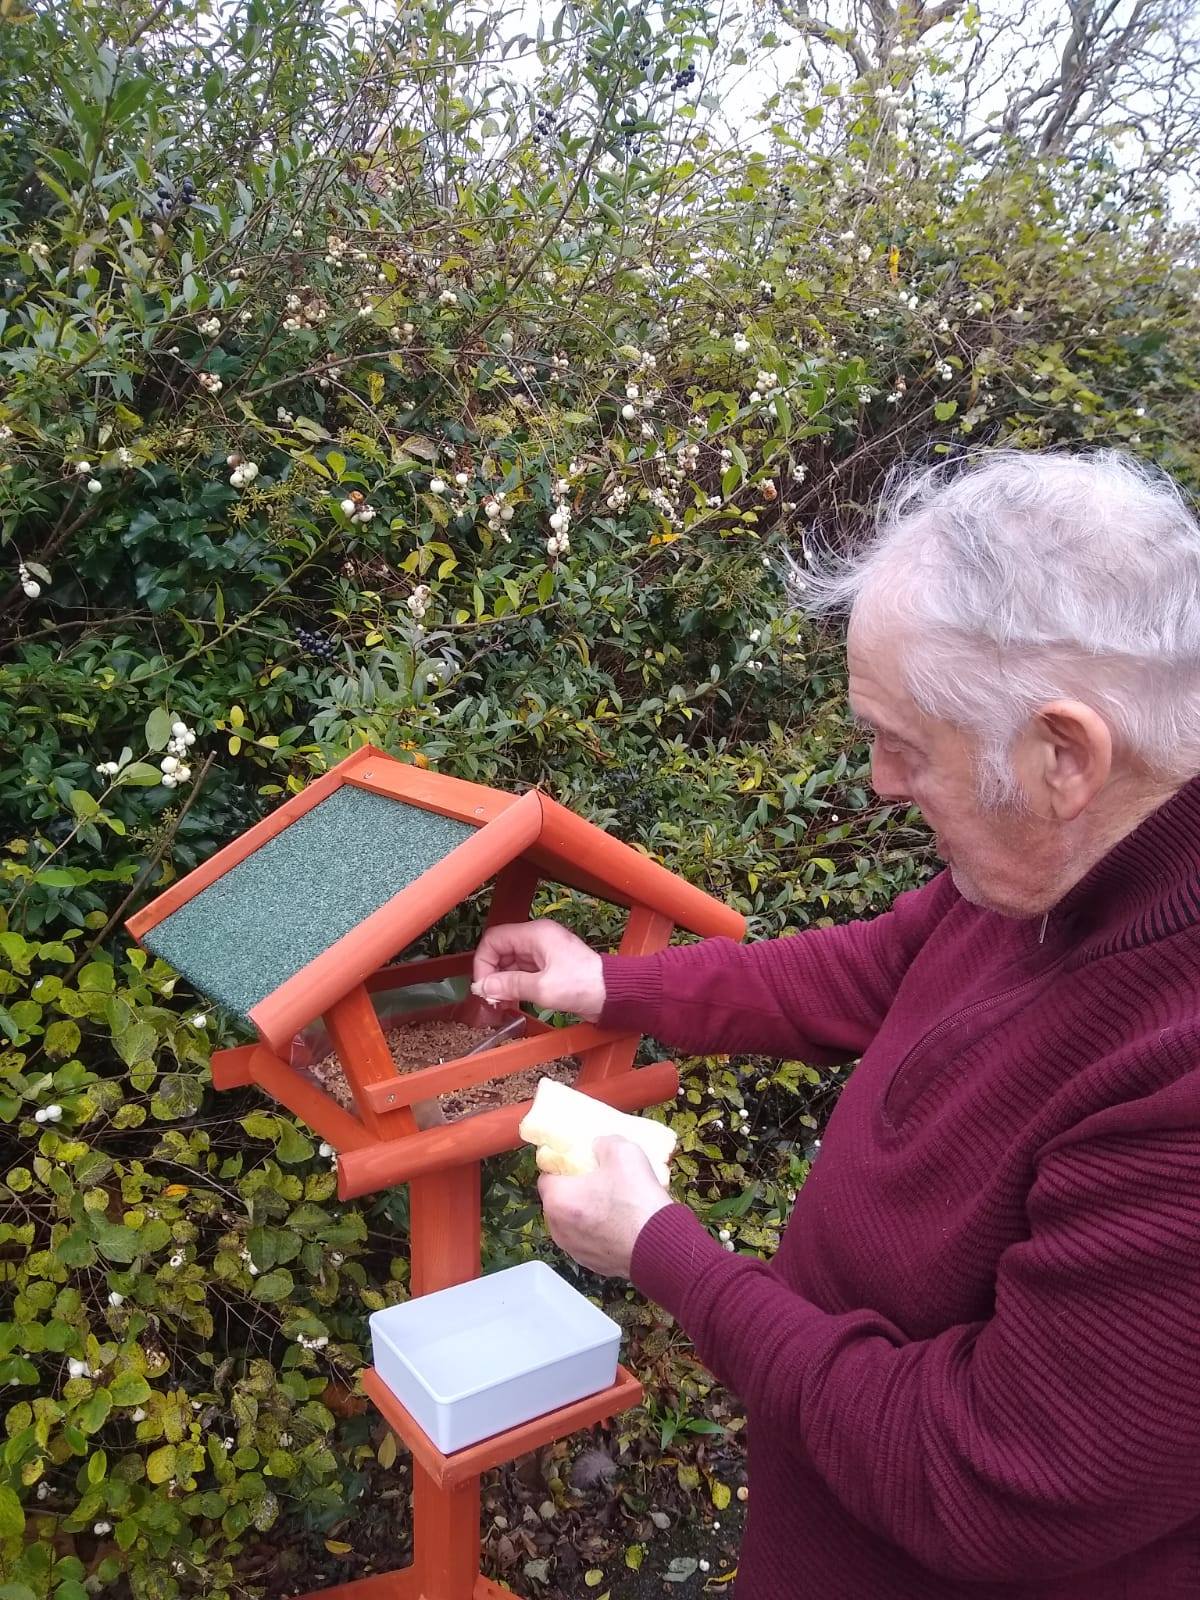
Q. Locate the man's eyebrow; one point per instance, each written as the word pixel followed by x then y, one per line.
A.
pixel 865 724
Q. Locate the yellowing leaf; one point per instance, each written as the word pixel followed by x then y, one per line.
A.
pixel 634 1556
pixel 721 1495
pixel 594 1578
pixel 174 1190
pixel 237 717
pixel 374 637
pixel 336 1547
pixel 386 1454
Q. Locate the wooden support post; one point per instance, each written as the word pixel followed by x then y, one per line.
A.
pixel 358 1039
pixel 513 895
pixel 445 1227
pixel 646 933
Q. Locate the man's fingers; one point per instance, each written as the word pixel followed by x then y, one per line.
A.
pixel 509 985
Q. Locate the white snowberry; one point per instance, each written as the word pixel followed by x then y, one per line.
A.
pixel 94 486
pixel 349 506
pixel 116 1299
pixel 31 588
pixel 629 412
pixel 437 485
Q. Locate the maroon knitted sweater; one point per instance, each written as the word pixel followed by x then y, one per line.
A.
pixel 972 1372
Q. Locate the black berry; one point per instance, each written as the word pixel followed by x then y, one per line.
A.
pixel 319 645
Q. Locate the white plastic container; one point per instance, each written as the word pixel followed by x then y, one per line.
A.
pixel 485 1356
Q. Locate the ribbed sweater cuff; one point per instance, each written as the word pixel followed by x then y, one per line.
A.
pixel 633 990
pixel 673 1252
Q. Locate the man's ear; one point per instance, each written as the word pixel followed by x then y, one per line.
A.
pixel 1069 757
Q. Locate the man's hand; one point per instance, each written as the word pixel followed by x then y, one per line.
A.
pixel 540 962
pixel 597 1218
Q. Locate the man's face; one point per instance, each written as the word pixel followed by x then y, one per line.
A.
pixel 1000 858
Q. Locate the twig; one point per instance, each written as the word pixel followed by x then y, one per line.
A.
pixel 143 876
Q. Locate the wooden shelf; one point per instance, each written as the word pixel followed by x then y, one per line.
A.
pixel 449 1471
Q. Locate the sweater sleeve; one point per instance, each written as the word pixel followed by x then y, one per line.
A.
pixel 1058 1435
pixel 819 996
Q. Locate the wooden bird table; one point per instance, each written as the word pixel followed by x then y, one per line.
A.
pixel 301 919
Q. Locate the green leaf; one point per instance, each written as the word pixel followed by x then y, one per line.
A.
pixel 160 1464
pixel 136 1043
pixel 115 1241
pixel 945 409
pixel 12 1521
pixel 130 1389
pixel 158 728
pixel 273 1286
pixel 138 775
pixel 293 1147
pixel 58 878
pixel 93 1413
pixel 83 804
pixel 62 1039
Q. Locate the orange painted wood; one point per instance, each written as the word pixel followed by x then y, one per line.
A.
pixel 381 1166
pixel 187 888
pixel 513 894
pixel 446 1471
pixel 568 845
pixel 499 1062
pixel 231 1068
pixel 398 1585
pixel 646 933
pixel 445 1536
pixel 433 791
pixel 445 1228
pixel 311 1104
pixel 428 970
pixel 356 1035
pixel 362 951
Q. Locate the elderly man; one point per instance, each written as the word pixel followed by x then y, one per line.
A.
pixel 973 1369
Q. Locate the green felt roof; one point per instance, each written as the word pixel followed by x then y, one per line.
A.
pixel 270 915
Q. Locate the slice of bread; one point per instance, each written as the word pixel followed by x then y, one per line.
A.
pixel 565 1124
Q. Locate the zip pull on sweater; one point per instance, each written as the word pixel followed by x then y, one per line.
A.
pixel 970 1372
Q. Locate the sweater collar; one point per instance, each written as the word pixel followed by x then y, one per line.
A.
pixel 1148 885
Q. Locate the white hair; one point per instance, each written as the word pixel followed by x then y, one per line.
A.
pixel 1018 578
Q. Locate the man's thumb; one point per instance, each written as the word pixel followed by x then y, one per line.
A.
pixel 611 1149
